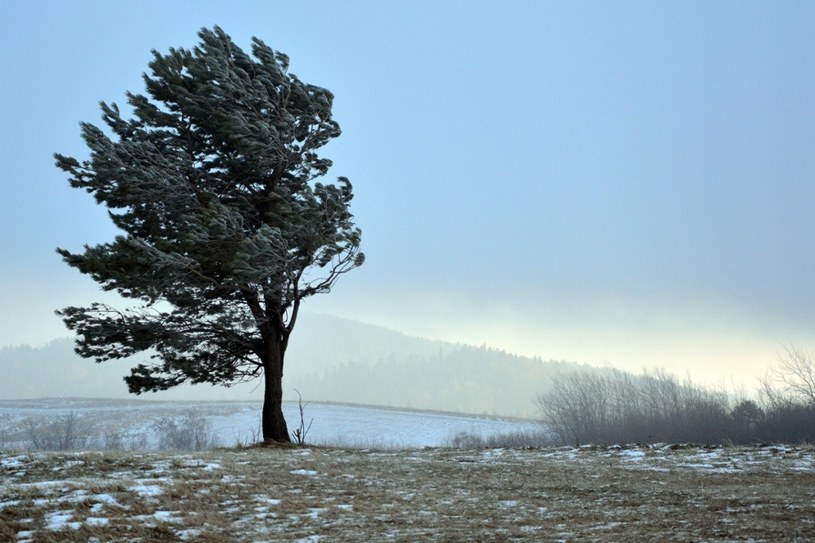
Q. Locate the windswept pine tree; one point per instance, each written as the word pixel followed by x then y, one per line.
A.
pixel 225 229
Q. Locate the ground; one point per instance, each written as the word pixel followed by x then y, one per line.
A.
pixel 309 494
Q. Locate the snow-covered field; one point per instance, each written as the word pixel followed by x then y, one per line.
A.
pixel 231 423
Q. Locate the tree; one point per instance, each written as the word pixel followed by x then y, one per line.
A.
pixel 791 381
pixel 747 416
pixel 225 229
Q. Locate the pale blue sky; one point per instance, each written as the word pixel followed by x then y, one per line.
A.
pixel 621 182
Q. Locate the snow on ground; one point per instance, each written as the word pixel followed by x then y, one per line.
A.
pixel 234 423
pixel 665 493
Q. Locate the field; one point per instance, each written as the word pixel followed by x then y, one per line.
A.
pixel 432 494
pixel 136 424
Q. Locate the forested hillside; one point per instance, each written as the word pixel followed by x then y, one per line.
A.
pixel 465 378
pixel 329 359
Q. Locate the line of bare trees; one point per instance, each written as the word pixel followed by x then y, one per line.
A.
pixel 612 406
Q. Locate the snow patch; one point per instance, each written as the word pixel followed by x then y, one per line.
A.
pixel 309 472
pixel 59 520
pixel 268 500
pixel 146 490
pixel 633 454
pixel 102 500
pixel 12 462
pixel 190 534
pixel 163 516
pixel 315 512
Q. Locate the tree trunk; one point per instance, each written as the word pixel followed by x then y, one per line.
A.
pixel 274 424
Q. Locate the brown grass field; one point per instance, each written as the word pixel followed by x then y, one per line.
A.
pixel 323 494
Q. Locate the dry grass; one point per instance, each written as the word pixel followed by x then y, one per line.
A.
pixel 308 494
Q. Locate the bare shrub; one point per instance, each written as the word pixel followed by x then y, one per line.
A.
pixel 791 380
pixel 255 436
pixel 509 440
pixel 117 440
pixel 192 432
pixel 300 433
pixel 788 395
pixel 612 406
pixel 64 433
pixel 112 440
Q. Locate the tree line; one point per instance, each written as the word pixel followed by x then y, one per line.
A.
pixel 613 406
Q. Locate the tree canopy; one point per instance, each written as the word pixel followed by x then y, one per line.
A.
pixel 224 226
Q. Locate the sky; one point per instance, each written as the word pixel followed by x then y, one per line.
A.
pixel 621 183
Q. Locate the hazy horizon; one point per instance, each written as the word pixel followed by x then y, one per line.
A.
pixel 624 184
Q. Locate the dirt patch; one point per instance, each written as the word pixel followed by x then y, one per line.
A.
pixel 309 494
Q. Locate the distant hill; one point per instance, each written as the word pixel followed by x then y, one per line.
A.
pixel 465 379
pixel 329 359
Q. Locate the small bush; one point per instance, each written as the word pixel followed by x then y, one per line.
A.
pixel 509 440
pixel 193 432
pixel 64 433
pixel 117 440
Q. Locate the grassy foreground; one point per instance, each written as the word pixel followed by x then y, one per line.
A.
pixel 311 494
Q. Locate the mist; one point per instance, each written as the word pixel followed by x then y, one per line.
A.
pixel 625 186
